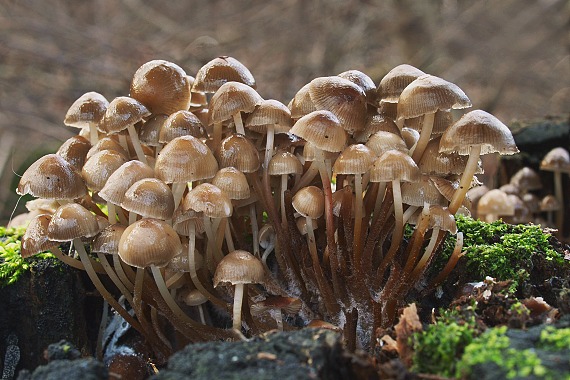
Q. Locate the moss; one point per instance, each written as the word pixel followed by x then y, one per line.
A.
pixel 493 348
pixel 12 265
pixel 502 251
pixel 440 346
pixel 555 339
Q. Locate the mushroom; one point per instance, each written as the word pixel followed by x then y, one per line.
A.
pixel 149 198
pixel 86 112
pixel 494 203
pixel 74 150
pixel 239 268
pixel 558 162
pixel 283 164
pixel 276 305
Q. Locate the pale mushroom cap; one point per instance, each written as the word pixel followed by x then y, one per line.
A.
pixel 410 136
pixel 161 86
pixel 284 163
pixel 86 111
pixel 99 167
pixel 394 165
pixel 149 242
pixel 72 221
pixel 343 98
pixel 232 182
pixel 309 202
pixel 364 82
pixel 376 123
pixel 106 143
pixel 221 70
pixel 149 132
pixel 447 189
pixel 422 191
pixel 478 128
pixel 208 199
pixel 496 202
pixel 442 218
pixel 181 123
pixel 393 83
pixel 185 159
pixel 121 179
pixel 238 151
pixel 557 159
pixel 428 94
pixel 434 162
pixel 239 267
pixel 149 197
pixel 74 150
pixel 527 179
pixel 442 120
pixel 382 141
pixel 35 239
pixel 549 203
pixel 52 177
pixel 321 128
pixel 231 98
pixel 301 104
pixel 354 159
pixel 107 241
pixel 122 112
pixel 270 112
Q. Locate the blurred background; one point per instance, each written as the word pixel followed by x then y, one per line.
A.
pixel 510 57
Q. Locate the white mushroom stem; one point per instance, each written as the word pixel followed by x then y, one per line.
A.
pixel 267 251
pixel 307 177
pixel 136 143
pixel 278 315
pixel 238 299
pixel 427 126
pixel 239 123
pixel 93 134
pixel 558 194
pixel 101 288
pixel 228 236
pixel 113 276
pixel 75 263
pixel 254 229
pixel 111 213
pixel 178 189
pixel 269 145
pixel 217 135
pixel 466 178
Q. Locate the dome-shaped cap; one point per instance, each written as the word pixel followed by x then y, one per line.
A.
pixel 422 191
pixel 364 82
pixel 549 203
pixel 394 165
pixel 74 150
pixel 149 242
pixel 383 141
pixel 185 159
pixel 557 159
pixel 161 86
pixel 269 112
pixel 238 151
pixel 376 123
pixel 107 241
pixel 181 123
pixel 149 132
pixel 354 159
pixel 309 202
pixel 119 182
pixel 393 83
pixel 283 163
pixel 72 221
pixel 122 112
pixel 496 202
pixel 52 177
pixel 232 182
pixel 526 179
pixel 35 239
pixel 106 143
pixel 99 167
pixel 478 128
pixel 321 128
pixel 301 104
pixel 220 70
pixel 86 111
pixel 231 98
pixel 433 162
pixel 239 267
pixel 208 199
pixel 149 197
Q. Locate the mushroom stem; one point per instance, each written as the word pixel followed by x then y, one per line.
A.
pixel 228 237
pixel 121 272
pixel 111 213
pixel 466 179
pixel 427 126
pixel 558 194
pixel 217 135
pixel 136 143
pixel 282 197
pixel 113 276
pixel 398 229
pixel 254 229
pixel 379 197
pixel 93 134
pixel 421 265
pixel 238 299
pixel 239 123
pixel 309 175
pixel 269 146
pixel 357 242
pixel 455 256
pixel 178 189
pixel 75 263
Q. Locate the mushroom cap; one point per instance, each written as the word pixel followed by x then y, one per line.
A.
pixel 149 197
pixel 323 129
pixel 428 94
pixel 434 162
pixel 549 203
pixel 220 70
pixel 526 179
pixel 376 123
pixel 239 267
pixel 283 163
pixel 422 191
pixel 309 202
pixel 270 112
pixel 231 98
pixel 289 305
pixel 99 167
pixel 394 82
pixel 557 159
pixel 301 104
pixel 232 182
pixel 394 165
pixel 382 141
pixel 448 188
pixel 354 159
pixel 496 202
pixel 71 221
pixel 149 132
pixel 343 98
pixel 478 128
pixel 52 177
pixel 121 179
pixel 35 239
pixel 208 199
pixel 74 150
pixel 161 86
pixel 107 241
pixel 238 151
pixel 364 82
pixel 181 123
pixel 149 242
pixel 86 111
pixel 106 143
pixel 185 159
pixel 442 120
pixel 122 112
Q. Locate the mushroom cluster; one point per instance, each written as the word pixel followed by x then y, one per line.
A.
pixel 222 203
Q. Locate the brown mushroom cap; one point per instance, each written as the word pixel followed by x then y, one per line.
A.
pixel 354 159
pixel 86 111
pixel 185 159
pixel 106 143
pixel 383 141
pixel 376 123
pixel 149 242
pixel 290 305
pixel 495 202
pixel 270 112
pixel 284 163
pixel 35 239
pixel 208 199
pixel 99 167
pixel 72 221
pixel 122 112
pixel 107 241
pixel 301 104
pixel 394 165
pixel 151 198
pixel 149 132
pixel 238 151
pixel 121 179
pixel 393 83
pixel 220 70
pixel 52 177
pixel 181 123
pixel 239 267
pixel 74 150
pixel 323 129
pixel 422 191
pixel 231 98
pixel 549 203
pixel 526 179
pixel 434 162
pixel 557 159
pixel 232 182
pixel 364 82
pixel 161 86
pixel 309 202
